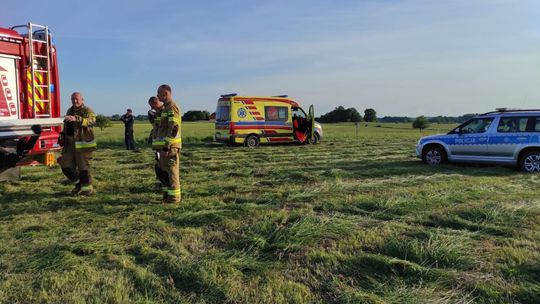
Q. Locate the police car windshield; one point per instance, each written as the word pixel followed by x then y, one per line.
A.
pixel 475 125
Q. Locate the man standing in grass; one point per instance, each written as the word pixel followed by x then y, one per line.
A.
pixel 79 145
pixel 169 129
pixel 128 129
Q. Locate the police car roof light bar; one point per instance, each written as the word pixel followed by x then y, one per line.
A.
pixel 507 110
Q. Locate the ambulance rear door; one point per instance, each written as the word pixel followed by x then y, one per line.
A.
pixel 223 118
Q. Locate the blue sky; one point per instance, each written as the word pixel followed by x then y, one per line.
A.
pixel 408 57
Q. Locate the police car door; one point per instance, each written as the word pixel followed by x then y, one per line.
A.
pixel 471 139
pixel 511 136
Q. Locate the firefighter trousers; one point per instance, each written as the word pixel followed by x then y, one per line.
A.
pixel 169 169
pixel 76 165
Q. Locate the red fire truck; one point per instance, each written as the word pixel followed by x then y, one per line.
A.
pixel 30 121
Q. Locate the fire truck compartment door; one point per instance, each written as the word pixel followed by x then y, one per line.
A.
pixel 9 90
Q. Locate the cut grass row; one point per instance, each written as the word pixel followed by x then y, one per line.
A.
pixel 347 221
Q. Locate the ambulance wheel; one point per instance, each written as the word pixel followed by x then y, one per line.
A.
pixel 251 141
pixel 315 139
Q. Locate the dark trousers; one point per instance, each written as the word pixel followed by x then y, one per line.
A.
pixel 130 141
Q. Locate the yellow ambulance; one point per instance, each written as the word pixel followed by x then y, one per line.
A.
pixel 251 120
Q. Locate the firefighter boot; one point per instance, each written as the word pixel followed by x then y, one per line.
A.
pixel 77 189
pixel 87 190
pixel 164 179
pixel 173 196
pixel 86 183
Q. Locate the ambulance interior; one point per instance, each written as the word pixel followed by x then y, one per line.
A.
pixel 301 124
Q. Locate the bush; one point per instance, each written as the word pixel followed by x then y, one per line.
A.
pixel 102 122
pixel 420 122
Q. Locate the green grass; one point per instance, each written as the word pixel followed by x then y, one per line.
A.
pixel 351 220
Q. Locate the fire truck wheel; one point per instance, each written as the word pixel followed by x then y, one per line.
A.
pixel 251 141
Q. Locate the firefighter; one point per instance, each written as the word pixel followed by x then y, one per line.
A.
pixel 157 143
pixel 169 129
pixel 79 145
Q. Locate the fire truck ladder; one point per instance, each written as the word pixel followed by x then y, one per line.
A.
pixel 43 68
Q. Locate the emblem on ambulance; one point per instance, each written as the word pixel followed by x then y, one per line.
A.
pixel 242 113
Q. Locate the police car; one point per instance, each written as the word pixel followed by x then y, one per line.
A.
pixel 505 136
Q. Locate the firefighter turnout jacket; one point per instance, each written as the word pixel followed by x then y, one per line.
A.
pixel 170 126
pixel 157 141
pixel 81 128
pixel 78 148
pixel 169 134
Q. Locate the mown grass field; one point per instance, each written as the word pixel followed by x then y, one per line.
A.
pixel 351 220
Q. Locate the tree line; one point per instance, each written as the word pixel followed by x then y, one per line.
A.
pixel 342 114
pixel 188 116
pixel 339 114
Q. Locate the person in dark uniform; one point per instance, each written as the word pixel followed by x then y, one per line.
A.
pixel 128 124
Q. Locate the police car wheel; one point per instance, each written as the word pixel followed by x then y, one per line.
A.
pixel 433 155
pixel 530 162
pixel 251 141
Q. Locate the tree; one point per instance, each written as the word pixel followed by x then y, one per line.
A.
pixel 354 115
pixel 141 117
pixel 196 115
pixel 420 122
pixel 340 114
pixel 102 122
pixel 395 119
pixel 370 115
pixel 115 117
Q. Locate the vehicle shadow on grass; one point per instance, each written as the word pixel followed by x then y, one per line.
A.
pixel 414 167
pixel 37 202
